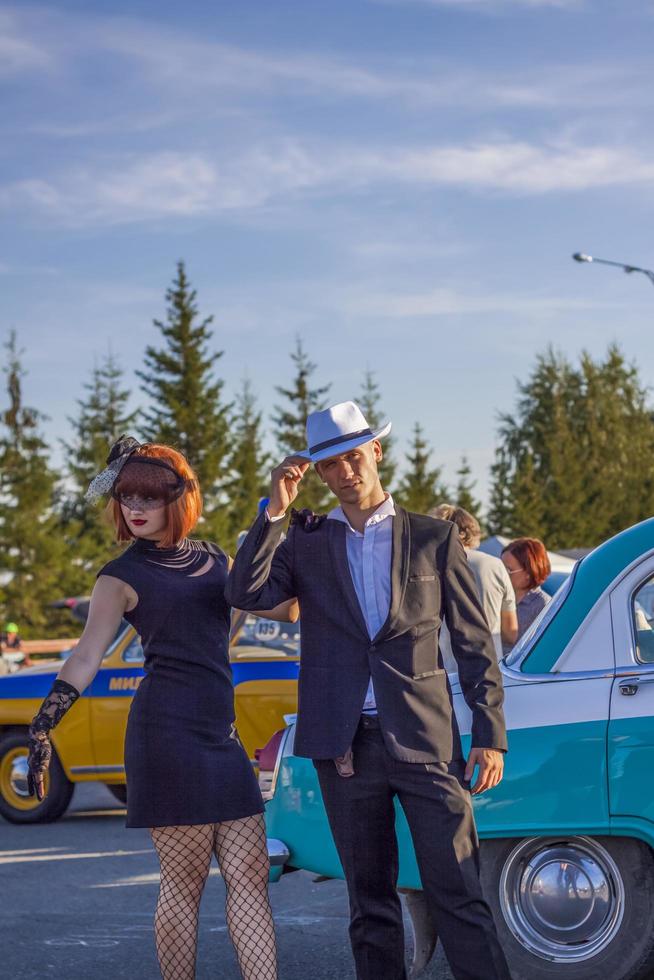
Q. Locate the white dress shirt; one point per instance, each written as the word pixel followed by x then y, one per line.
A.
pixel 369 559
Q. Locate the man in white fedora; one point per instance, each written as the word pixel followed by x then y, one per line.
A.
pixel 375 708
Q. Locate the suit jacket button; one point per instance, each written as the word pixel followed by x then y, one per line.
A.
pixel 372 648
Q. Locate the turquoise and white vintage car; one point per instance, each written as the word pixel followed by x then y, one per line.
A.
pixel 568 836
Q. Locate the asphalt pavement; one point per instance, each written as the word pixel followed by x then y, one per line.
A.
pixel 77 900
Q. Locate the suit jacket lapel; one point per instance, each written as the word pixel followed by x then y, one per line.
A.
pixel 400 554
pixel 338 547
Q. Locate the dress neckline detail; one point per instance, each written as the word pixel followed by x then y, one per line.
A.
pixel 193 558
pixel 149 547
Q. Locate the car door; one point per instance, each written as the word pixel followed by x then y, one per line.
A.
pixel 111 693
pixel 631 725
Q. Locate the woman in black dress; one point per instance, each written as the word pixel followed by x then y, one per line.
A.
pixel 188 777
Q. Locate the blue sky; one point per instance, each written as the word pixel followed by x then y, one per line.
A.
pixel 400 182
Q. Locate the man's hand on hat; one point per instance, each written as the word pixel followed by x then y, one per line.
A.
pixel 284 482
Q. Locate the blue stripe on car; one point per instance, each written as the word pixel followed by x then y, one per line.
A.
pixel 38 685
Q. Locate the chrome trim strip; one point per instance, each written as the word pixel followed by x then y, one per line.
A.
pixel 278 761
pixel 638 670
pixel 632 618
pixel 87 770
pixel 571 675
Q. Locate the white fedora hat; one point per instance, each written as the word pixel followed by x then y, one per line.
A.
pixel 337 429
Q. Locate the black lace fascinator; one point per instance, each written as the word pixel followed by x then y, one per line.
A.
pixel 120 452
pixel 130 475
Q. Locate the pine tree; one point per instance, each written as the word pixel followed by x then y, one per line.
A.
pixel 33 559
pixel 102 417
pixel 498 518
pixel 577 456
pixel 187 410
pixel 290 423
pixel 368 402
pixel 248 466
pixel 528 517
pixel 420 488
pixel 464 492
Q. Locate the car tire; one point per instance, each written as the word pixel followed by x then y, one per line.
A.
pixel 601 926
pixel 15 805
pixel 119 791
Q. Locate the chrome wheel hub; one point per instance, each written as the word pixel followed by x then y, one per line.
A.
pixel 18 776
pixel 562 899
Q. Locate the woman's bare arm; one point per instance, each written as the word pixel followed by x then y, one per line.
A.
pixel 509 627
pixel 285 612
pixel 109 600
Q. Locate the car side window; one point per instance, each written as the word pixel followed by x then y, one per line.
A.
pixel 269 636
pixel 133 652
pixel 642 613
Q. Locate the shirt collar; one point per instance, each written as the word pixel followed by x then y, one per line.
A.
pixel 387 509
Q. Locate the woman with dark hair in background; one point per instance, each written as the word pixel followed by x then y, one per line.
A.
pixel 528 564
pixel 189 780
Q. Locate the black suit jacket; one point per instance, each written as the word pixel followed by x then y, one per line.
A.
pixel 430 580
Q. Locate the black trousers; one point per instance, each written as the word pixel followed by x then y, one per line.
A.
pixel 438 809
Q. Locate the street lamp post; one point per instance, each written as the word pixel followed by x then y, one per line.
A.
pixel 581 257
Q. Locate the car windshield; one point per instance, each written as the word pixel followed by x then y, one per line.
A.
pixel 540 624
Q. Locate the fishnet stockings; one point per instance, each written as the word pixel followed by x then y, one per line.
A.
pixel 185 856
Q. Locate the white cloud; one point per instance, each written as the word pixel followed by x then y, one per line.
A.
pixel 167 69
pixel 212 69
pixel 173 185
pixel 19 53
pixel 488 5
pixel 520 167
pixel 380 303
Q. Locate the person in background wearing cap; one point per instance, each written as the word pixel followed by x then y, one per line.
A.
pixel 375 708
pixel 10 637
pixel 10 643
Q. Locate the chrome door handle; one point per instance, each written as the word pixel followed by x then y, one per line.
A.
pixel 630 687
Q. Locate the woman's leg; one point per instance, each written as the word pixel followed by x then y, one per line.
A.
pixel 184 855
pixel 243 858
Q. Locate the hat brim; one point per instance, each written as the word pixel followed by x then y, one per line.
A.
pixel 345 446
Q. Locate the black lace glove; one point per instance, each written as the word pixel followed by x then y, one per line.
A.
pixel 61 697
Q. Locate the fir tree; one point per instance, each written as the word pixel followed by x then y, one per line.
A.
pixel 528 511
pixel 290 423
pixel 33 560
pixel 464 492
pixel 187 410
pixel 578 453
pixel 420 488
pixel 368 402
pixel 102 417
pixel 498 518
pixel 248 466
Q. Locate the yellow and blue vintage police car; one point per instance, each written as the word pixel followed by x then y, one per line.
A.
pixel 88 744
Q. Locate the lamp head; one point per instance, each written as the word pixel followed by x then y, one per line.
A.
pixel 582 257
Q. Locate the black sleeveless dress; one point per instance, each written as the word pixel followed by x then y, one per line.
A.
pixel 183 761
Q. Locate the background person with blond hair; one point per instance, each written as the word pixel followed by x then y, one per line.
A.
pixel 495 589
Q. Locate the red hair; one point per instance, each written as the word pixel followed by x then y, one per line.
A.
pixel 181 515
pixel 532 555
